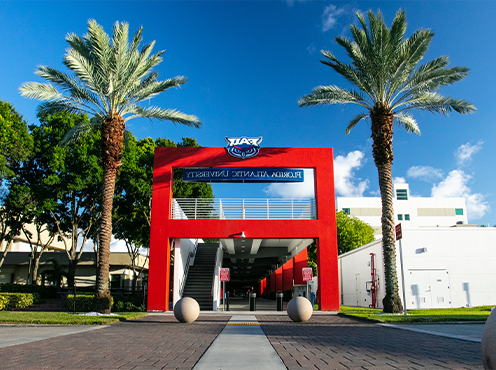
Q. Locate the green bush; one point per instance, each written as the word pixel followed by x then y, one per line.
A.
pixel 17 300
pixel 44 292
pixel 84 303
pixel 3 302
pixel 128 303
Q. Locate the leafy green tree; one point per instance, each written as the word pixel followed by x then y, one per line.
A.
pixel 111 77
pixel 70 177
pixel 15 142
pixel 385 69
pixel 63 185
pixel 352 232
pixel 54 275
pixel 133 195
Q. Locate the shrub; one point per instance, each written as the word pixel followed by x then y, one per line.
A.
pixel 3 302
pixel 84 303
pixel 128 304
pixel 45 292
pixel 17 300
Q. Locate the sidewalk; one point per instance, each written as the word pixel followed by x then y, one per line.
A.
pixel 158 341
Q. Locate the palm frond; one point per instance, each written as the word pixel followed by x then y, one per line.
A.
pixel 355 120
pixel 80 129
pixel 408 122
pixel 39 91
pixel 436 103
pixel 164 115
pixel 327 95
pixel 355 76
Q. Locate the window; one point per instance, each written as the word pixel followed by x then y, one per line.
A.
pixel 459 211
pixel 407 217
pixel 402 194
pixel 400 217
pixel 346 210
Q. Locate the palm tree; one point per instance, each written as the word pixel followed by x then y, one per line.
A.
pixel 391 83
pixel 110 78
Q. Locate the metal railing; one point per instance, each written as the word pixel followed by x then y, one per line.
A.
pixel 239 209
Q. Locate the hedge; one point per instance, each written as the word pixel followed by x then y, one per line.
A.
pixel 45 292
pixel 17 300
pixel 84 302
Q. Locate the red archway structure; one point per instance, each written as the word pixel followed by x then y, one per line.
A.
pixel 164 228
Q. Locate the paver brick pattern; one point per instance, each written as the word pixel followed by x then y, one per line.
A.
pixel 152 342
pixel 338 342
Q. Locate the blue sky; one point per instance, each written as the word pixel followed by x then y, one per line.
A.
pixel 248 62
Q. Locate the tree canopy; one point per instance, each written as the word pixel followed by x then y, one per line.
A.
pixel 15 142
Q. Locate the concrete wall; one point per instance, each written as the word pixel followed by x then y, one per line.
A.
pixel 182 249
pixel 444 267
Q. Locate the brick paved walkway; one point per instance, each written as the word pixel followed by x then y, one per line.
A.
pixel 336 342
pixel 153 342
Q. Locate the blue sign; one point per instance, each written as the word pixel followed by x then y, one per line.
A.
pixel 242 175
pixel 243 147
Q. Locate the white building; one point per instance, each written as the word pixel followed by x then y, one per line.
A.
pixel 412 212
pixel 443 267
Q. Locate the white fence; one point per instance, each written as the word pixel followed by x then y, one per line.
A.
pixel 240 209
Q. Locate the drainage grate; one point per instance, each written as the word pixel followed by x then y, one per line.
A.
pixel 242 323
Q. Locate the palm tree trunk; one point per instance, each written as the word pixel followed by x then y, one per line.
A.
pixel 382 135
pixel 112 135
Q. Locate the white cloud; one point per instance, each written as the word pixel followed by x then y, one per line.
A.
pixel 464 153
pixel 330 16
pixel 311 48
pixel 425 173
pixel 399 180
pixel 455 185
pixel 344 180
pixel 303 189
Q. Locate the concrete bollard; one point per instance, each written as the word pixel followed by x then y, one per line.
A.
pixel 186 310
pixel 300 309
pixel 489 342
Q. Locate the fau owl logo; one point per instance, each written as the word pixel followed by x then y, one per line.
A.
pixel 243 147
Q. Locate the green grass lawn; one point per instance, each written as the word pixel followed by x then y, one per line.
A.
pixel 64 318
pixel 432 315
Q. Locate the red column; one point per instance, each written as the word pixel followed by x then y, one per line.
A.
pixel 279 286
pixel 300 261
pixel 327 272
pixel 272 282
pixel 287 275
pixel 159 277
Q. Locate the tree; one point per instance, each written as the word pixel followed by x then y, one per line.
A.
pixel 111 77
pixel 352 232
pixel 67 178
pixel 133 196
pixel 15 142
pixel 391 83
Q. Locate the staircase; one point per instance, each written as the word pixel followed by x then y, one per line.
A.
pixel 200 276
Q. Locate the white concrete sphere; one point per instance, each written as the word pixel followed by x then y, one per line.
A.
pixel 300 309
pixel 186 310
pixel 489 342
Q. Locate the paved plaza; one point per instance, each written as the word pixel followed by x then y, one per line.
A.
pixel 158 341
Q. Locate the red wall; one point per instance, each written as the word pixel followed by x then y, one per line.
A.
pixel 300 261
pixel 279 279
pixel 163 228
pixel 287 275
